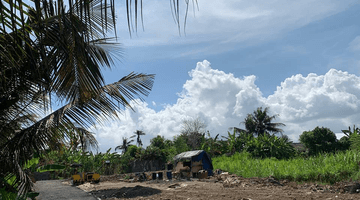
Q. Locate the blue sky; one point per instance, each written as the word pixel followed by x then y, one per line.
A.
pixel 300 58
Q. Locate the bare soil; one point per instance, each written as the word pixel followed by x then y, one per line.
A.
pixel 223 186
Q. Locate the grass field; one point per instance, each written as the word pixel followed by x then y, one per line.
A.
pixel 325 168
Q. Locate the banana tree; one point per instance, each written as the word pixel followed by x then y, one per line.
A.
pixel 350 132
pixel 211 145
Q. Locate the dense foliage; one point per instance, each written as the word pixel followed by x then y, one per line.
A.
pixel 319 140
pixel 270 146
pixel 240 153
pixel 241 144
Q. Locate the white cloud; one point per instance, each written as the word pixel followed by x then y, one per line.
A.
pixel 222 101
pixel 330 100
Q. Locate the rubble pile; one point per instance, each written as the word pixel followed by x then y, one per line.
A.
pixel 115 177
pixel 232 180
pixel 220 179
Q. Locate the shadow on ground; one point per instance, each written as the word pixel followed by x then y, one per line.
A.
pixel 126 192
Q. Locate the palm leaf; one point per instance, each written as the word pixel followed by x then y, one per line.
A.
pixel 58 123
pixel 46 49
pixel 86 139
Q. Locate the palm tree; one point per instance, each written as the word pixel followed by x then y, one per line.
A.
pixel 349 133
pixel 260 123
pixel 49 51
pixel 125 145
pixel 83 139
pixel 138 133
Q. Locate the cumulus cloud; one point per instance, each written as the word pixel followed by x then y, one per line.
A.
pixel 330 100
pixel 222 100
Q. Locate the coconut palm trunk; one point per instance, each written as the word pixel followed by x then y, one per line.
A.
pixel 138 133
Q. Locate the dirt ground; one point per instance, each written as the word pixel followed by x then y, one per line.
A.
pixel 223 186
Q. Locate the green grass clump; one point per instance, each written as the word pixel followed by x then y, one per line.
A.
pixel 326 168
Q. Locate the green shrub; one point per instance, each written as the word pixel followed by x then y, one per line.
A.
pixel 344 143
pixel 319 140
pixel 180 144
pixel 355 142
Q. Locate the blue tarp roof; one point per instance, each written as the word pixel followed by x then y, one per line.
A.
pixel 187 154
pixel 196 156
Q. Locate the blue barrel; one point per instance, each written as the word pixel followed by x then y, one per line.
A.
pixel 153 176
pixel 169 175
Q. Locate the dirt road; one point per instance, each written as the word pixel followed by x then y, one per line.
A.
pixel 222 188
pixel 56 190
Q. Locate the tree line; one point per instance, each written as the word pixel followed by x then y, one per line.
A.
pixel 262 138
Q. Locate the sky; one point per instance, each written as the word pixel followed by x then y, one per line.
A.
pixel 299 58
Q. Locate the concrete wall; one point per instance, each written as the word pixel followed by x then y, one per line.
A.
pixel 41 176
pixel 146 165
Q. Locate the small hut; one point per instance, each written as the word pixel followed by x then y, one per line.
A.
pixel 194 161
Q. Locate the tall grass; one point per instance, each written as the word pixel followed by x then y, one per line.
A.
pixel 327 168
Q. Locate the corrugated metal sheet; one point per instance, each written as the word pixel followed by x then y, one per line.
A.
pixel 187 154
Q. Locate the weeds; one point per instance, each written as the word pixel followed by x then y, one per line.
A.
pixel 327 168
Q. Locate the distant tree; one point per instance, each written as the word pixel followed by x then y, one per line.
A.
pixel 138 133
pixel 180 144
pixel 211 145
pixel 125 145
pixel 242 139
pixel 319 140
pixel 344 143
pixel 158 141
pixel 260 123
pixel 159 149
pixel 83 139
pixel 196 125
pixel 231 142
pixel 351 138
pixel 350 132
pixel 193 131
pixel 133 150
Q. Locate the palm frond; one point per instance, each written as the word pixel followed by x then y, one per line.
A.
pixel 136 7
pixel 260 123
pixel 48 48
pixel 57 124
pixel 125 144
pixel 86 139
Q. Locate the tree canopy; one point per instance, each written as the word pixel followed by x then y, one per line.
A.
pixel 319 140
pixel 260 123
